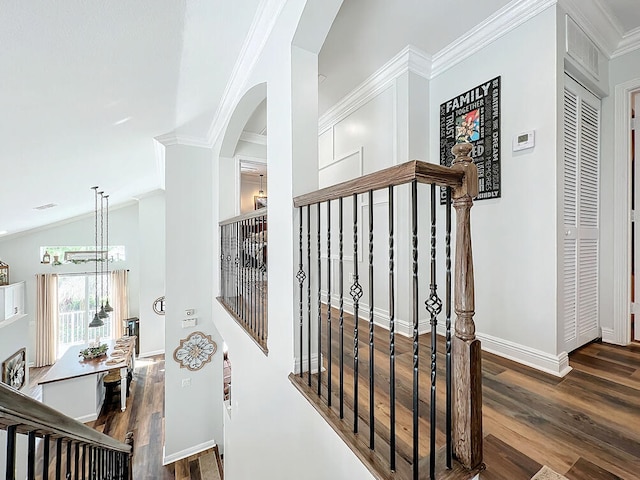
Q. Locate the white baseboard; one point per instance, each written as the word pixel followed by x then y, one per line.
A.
pixel 609 335
pixel 174 457
pixel 557 365
pixel 87 418
pixel 305 363
pixel 150 354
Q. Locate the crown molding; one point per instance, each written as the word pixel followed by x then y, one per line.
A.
pixel 263 22
pixel 172 138
pixel 253 138
pixel 500 23
pixel 410 59
pixel 630 42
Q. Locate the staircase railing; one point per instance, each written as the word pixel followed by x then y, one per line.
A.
pixel 379 385
pixel 243 272
pixel 80 451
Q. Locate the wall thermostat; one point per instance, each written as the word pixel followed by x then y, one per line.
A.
pixel 524 140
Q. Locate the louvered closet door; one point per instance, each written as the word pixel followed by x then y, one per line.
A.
pixel 580 215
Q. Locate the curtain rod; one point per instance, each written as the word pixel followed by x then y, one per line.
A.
pixel 73 274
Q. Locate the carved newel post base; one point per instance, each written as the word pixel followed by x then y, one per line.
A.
pixel 467 398
pixel 467 370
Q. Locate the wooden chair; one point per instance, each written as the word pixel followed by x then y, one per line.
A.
pixel 111 382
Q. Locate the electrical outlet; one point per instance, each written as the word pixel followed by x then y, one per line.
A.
pixel 186 382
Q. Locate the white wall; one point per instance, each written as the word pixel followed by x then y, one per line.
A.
pixel 151 227
pixel 22 253
pixel 193 413
pixel 269 419
pixel 514 237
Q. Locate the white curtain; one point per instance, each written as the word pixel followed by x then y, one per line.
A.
pixel 46 318
pixel 120 301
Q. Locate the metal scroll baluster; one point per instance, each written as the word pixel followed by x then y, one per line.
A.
pixel 238 287
pixel 392 339
pixel 11 452
pixel 414 304
pixel 45 457
pixel 434 307
pixel 252 274
pixel 58 458
pixel 329 380
pixel 319 306
pixel 356 293
pixel 31 456
pixel 371 363
pixel 447 243
pixel 309 295
pixel 300 276
pixel 341 288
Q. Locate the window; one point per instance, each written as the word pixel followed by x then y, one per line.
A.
pixel 58 255
pixel 76 308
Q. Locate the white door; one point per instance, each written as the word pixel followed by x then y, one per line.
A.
pixel 580 243
pixel 636 267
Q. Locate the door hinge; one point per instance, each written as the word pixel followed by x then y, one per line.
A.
pixel 634 123
pixel 634 308
pixel 633 216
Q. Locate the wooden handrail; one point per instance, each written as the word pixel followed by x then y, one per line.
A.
pixel 245 216
pixel 423 172
pixel 28 414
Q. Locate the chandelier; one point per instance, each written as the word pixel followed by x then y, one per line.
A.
pixel 101 257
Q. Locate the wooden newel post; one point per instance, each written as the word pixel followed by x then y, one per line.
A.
pixel 467 368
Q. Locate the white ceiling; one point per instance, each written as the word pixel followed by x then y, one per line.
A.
pixel 86 86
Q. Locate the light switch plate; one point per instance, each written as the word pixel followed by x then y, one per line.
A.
pixel 189 322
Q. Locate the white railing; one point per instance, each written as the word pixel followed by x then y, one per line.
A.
pixel 72 328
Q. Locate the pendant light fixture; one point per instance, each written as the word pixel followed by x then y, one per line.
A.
pixel 107 307
pixel 97 321
pixel 102 314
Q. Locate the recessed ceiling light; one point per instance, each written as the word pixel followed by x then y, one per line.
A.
pixel 3 232
pixel 46 206
pixel 121 121
pixel 321 78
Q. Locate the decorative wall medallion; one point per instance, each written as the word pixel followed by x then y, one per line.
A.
pixel 14 369
pixel 158 305
pixel 195 350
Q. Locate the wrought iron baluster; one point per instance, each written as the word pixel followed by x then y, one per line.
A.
pixel 11 452
pixel 329 378
pixel 392 337
pixel 300 276
pixel 45 457
pixel 58 458
pixel 319 306
pixel 31 456
pixel 309 295
pixel 371 352
pixel 84 462
pixel 434 307
pixel 76 469
pixel 447 243
pixel 341 288
pixel 68 475
pixel 252 274
pixel 356 293
pixel 414 304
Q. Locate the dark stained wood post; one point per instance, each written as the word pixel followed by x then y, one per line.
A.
pixel 467 368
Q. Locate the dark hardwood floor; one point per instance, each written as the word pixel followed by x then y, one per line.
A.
pixel 585 425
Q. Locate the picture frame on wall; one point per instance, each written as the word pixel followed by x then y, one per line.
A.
pixel 259 202
pixel 14 369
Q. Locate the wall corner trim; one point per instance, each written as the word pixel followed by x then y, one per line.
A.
pixel 557 365
pixel 172 138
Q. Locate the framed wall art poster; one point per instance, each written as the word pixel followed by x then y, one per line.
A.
pixel 474 117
